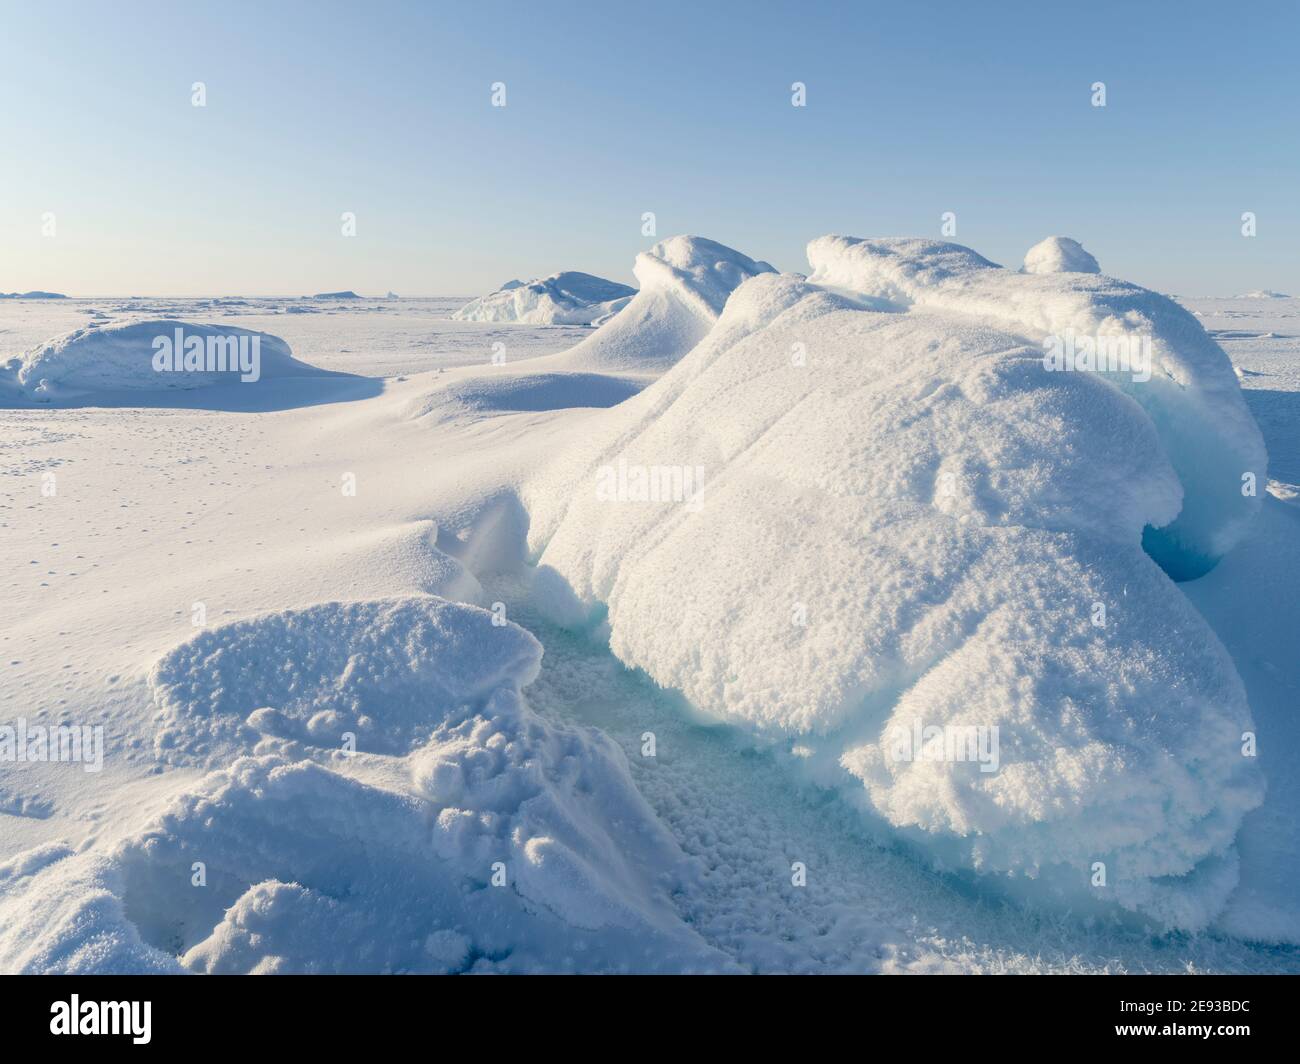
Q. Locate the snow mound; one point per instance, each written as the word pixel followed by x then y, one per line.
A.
pixel 1263 293
pixel 1186 386
pixel 484 839
pixel 1059 254
pixel 155 355
pixel 61 913
pixel 684 283
pixel 568 298
pixel 303 869
pixel 864 520
pixel 383 671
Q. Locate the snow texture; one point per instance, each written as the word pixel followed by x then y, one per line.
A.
pixel 1192 397
pixel 306 868
pixel 889 514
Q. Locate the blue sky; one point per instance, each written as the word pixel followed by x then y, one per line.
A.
pixel 615 109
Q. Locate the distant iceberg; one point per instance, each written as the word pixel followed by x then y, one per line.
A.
pixel 568 298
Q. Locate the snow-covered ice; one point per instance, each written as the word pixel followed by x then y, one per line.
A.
pixel 567 298
pixel 635 619
pixel 312 869
pixel 912 524
pixel 97 361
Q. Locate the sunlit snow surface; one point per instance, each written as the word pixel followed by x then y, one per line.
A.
pixel 223 743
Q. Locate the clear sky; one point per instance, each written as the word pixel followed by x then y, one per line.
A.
pixel 613 109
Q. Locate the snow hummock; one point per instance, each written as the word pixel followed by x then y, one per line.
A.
pixel 862 509
pixel 684 284
pixel 1059 254
pixel 1192 397
pixel 127 356
pixel 465 833
pixel 32 295
pixel 568 298
pixel 1263 293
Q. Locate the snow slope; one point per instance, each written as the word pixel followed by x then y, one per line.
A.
pixel 895 517
pixel 567 298
pixel 684 284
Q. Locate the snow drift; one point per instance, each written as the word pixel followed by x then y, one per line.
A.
pixel 465 833
pixel 155 355
pixel 863 517
pixel 568 298
pixel 685 282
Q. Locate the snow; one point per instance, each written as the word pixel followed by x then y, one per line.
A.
pixel 915 524
pixel 884 512
pixel 1059 254
pixel 568 298
pixel 310 869
pixel 684 283
pixel 1192 396
pixel 414 660
pixel 149 355
pixel 474 397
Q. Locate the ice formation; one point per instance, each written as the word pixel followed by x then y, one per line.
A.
pixel 862 508
pixel 1180 377
pixel 568 298
pixel 685 282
